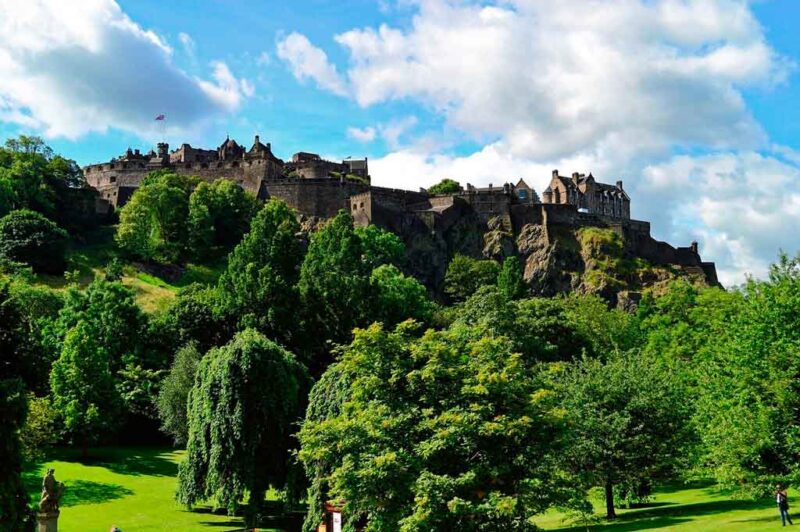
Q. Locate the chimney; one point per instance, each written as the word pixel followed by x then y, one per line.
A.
pixel 694 247
pixel 555 173
pixel 257 140
pixel 269 146
pixel 619 185
pixel 575 176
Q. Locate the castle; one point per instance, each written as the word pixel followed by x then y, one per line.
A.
pixel 317 189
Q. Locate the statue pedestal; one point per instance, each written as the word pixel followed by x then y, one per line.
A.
pixel 47 521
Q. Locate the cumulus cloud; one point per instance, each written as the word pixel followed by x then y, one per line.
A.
pixel 630 75
pixel 366 134
pixel 309 62
pixel 69 68
pixel 743 206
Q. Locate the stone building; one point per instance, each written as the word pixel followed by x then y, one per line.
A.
pixel 588 195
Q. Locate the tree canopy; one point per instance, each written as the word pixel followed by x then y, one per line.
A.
pixel 242 412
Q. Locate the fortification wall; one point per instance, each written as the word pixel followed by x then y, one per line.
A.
pixel 315 197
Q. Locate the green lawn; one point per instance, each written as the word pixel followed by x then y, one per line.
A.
pixel 699 506
pixel 133 488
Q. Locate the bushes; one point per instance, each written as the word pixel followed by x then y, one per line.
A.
pixel 28 237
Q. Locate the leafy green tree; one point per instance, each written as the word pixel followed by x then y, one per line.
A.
pixel 14 366
pixel 243 408
pixel 465 275
pixel 28 237
pixel 334 281
pixel 629 422
pixel 14 513
pixel 258 286
pixel 39 431
pixel 109 307
pixel 199 314
pixel 174 393
pixel 83 388
pixel 511 280
pixel 380 247
pixel 219 215
pixel 746 385
pixel 397 297
pixel 32 177
pixel 450 431
pixel 445 186
pixel 153 224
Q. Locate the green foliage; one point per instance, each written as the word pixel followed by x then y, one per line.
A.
pixel 465 275
pixel 174 393
pixel 110 310
pixel 380 246
pixel 219 214
pixel 153 224
pixel 511 280
pixel 39 431
pixel 258 287
pixel 14 513
pixel 397 297
pixel 334 281
pixel 629 422
pixel 32 177
pixel 83 387
pixel 242 412
pixel 450 431
pixel 445 186
pixel 28 237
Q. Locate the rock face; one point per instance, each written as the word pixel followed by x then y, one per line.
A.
pixel 560 258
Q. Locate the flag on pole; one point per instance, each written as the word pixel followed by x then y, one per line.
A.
pixel 160 117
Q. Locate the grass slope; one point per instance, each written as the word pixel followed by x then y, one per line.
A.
pixel 132 488
pixel 699 506
pixel 90 258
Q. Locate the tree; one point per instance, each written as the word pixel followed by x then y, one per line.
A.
pixel 397 297
pixel 14 513
pixel 83 388
pixel 445 186
pixel 153 224
pixel 118 324
pixel 14 365
pixel 450 431
pixel 510 280
pixel 28 237
pixel 745 380
pixel 174 393
pixel 465 275
pixel 380 247
pixel 39 431
pixel 629 422
pixel 219 214
pixel 334 281
pixel 243 408
pixel 258 286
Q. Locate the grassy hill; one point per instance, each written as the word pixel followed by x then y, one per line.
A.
pixel 153 286
pixel 134 488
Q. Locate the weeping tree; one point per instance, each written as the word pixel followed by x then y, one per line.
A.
pixel 242 413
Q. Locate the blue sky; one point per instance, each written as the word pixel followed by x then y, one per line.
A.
pixel 693 103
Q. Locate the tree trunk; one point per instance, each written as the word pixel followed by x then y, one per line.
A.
pixel 610 513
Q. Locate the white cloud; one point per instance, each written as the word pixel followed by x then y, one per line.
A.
pixel 309 62
pixel 633 75
pixel 743 207
pixel 188 43
pixel 366 134
pixel 69 68
pixel 263 59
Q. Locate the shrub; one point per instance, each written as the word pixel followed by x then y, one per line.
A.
pixel 28 237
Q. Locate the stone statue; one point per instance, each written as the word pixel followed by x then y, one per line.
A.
pixel 52 491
